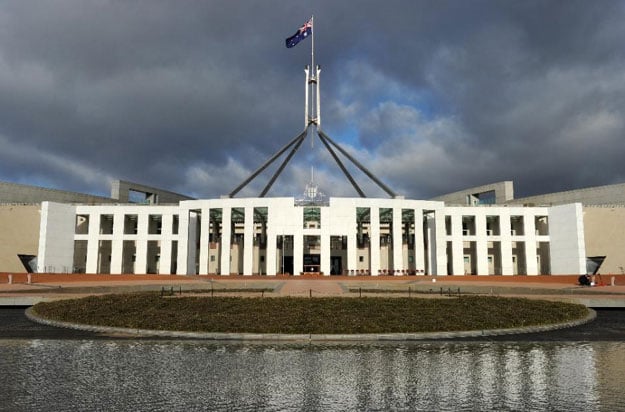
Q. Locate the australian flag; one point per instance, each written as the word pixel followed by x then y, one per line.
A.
pixel 302 33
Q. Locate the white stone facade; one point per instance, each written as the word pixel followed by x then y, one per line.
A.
pixel 349 236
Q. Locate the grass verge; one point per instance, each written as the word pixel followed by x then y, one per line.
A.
pixel 308 315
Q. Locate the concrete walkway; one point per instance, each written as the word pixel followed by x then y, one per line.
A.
pixel 311 287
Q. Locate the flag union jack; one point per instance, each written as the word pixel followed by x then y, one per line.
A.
pixel 301 34
pixel 306 27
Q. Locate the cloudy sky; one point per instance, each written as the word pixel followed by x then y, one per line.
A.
pixel 193 96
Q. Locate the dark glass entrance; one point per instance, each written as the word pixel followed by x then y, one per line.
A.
pixel 287 265
pixel 312 263
pixel 336 268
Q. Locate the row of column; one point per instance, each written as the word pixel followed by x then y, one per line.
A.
pixel 189 221
pixel 141 239
pixel 530 239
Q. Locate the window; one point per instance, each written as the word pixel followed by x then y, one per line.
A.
pixel 175 224
pixel 154 224
pixel 106 224
pixel 312 218
pixel 82 225
pixel 468 225
pixel 517 225
pixel 130 224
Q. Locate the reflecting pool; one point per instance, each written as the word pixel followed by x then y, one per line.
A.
pixel 78 375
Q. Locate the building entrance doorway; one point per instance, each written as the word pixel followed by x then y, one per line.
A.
pixel 336 267
pixel 287 265
pixel 312 263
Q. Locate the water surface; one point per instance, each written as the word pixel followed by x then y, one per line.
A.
pixel 77 375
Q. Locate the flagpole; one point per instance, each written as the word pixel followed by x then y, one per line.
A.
pixel 314 72
pixel 312 47
pixel 317 71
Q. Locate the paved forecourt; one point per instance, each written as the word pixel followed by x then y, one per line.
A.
pixel 24 290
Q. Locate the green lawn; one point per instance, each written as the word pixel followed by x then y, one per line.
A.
pixel 309 315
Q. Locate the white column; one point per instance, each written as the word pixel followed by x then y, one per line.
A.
pixel 248 241
pixel 441 245
pixel 398 256
pixel 93 244
pixel 352 251
pixel 191 243
pixel 164 265
pixel 507 267
pixel 204 236
pixel 325 241
pixel 457 245
pixel 325 253
pixel 431 241
pixel 530 244
pixel 183 242
pixel 375 240
pixel 481 244
pixel 298 250
pixel 226 238
pixel 271 258
pixel 419 247
pixel 141 262
pixel 117 243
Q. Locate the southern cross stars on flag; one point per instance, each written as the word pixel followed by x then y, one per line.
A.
pixel 302 33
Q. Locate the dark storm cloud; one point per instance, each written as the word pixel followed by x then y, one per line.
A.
pixel 194 96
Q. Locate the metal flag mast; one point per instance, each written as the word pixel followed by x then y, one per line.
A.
pixel 312 118
pixel 312 85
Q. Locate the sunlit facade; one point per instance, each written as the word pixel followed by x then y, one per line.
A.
pixel 340 236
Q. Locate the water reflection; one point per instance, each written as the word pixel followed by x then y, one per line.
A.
pixel 162 375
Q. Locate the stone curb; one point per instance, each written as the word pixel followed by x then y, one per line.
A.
pixel 278 337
